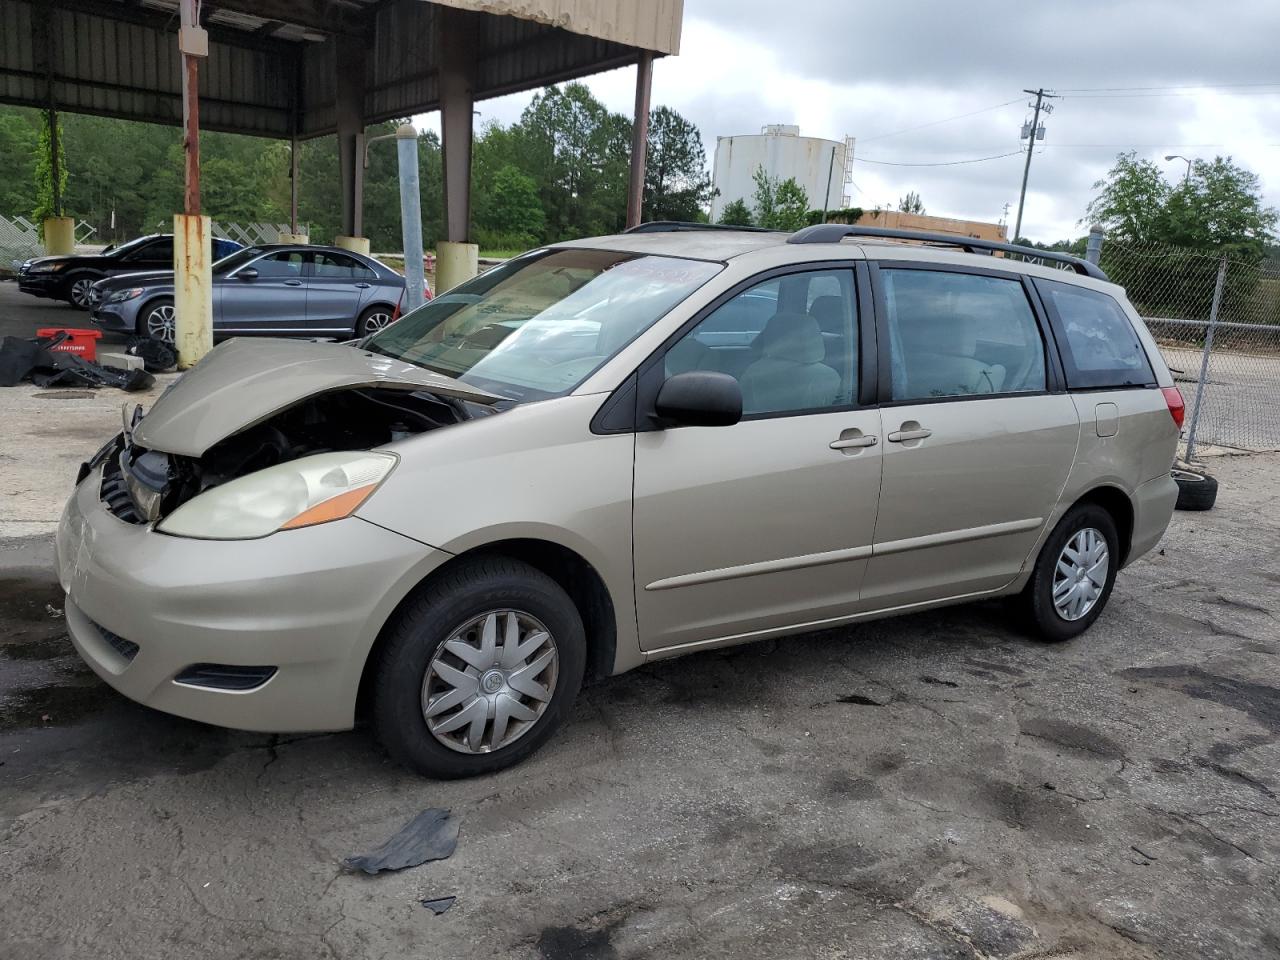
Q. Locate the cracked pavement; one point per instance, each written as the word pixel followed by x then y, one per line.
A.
pixel 936 786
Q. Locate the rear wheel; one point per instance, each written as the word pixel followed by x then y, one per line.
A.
pixel 79 286
pixel 373 320
pixel 1074 574
pixel 157 320
pixel 478 669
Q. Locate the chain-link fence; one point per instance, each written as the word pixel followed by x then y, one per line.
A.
pixel 1217 321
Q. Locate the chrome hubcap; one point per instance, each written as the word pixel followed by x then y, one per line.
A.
pixel 1081 574
pixel 160 323
pixel 80 292
pixel 490 681
pixel 376 321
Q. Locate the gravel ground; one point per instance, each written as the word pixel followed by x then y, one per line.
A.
pixel 936 786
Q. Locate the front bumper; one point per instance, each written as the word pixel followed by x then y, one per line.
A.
pixel 309 602
pixel 119 317
pixel 47 285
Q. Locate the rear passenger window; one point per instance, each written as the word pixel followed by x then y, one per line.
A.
pixel 791 343
pixel 960 335
pixel 1099 345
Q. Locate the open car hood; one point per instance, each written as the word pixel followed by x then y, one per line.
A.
pixel 244 381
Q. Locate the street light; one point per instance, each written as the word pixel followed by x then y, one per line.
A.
pixel 1178 156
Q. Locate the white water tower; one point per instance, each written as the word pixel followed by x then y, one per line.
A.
pixel 819 166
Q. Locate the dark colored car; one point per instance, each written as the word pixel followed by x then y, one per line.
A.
pixel 70 277
pixel 268 290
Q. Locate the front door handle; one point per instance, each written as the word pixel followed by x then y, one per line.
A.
pixel 898 436
pixel 293 283
pixel 863 441
pixel 363 286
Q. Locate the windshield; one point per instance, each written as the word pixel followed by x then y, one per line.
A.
pixel 129 247
pixel 538 326
pixel 238 259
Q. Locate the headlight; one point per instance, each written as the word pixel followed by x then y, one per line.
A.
pixel 48 267
pixel 317 489
pixel 121 295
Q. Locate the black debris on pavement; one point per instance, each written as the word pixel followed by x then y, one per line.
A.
pixel 34 360
pixel 438 905
pixel 431 835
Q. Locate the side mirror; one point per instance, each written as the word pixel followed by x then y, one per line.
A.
pixel 248 273
pixel 108 248
pixel 700 398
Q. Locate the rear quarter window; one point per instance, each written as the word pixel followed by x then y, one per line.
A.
pixel 1100 348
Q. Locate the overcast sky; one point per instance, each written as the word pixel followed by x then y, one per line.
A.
pixel 871 69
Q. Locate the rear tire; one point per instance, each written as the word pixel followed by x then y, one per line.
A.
pixel 415 673
pixel 1069 587
pixel 372 320
pixel 1196 491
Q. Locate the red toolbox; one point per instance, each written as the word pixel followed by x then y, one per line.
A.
pixel 81 342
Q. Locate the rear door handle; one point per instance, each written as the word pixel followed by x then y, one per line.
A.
pixel 898 436
pixel 293 283
pixel 863 441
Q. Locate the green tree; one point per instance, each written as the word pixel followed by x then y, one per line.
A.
pixel 911 203
pixel 1219 207
pixel 508 214
pixel 19 139
pixel 1130 200
pixel 45 206
pixel 779 204
pixel 676 184
pixel 736 213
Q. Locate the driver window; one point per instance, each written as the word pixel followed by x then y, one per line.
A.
pixel 791 343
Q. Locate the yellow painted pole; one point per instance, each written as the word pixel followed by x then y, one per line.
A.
pixel 59 235
pixel 455 263
pixel 192 288
pixel 354 244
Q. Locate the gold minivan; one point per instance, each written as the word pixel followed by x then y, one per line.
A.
pixel 612 451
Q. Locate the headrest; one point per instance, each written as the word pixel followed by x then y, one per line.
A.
pixel 829 312
pixel 794 337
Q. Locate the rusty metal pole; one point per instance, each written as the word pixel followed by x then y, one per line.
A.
pixel 192 243
pixel 639 137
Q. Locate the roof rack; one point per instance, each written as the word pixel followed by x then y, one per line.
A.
pixel 835 232
pixel 675 226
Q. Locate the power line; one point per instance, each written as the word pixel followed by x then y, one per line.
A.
pixel 944 163
pixel 1196 86
pixel 934 123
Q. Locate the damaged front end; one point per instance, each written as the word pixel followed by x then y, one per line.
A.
pixel 146 486
pixel 264 435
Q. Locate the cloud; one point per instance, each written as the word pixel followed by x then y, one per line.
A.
pixel 838 67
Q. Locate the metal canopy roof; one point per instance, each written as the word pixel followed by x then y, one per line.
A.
pixel 272 63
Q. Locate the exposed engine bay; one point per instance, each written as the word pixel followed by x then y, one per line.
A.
pixel 141 486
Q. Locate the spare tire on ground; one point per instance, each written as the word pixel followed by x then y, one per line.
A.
pixel 1196 491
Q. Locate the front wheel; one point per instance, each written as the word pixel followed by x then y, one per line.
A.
pixel 157 321
pixel 1074 574
pixel 478 670
pixel 79 290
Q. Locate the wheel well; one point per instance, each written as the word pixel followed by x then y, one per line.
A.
pixel 1117 503
pixel 574 575
pixel 141 315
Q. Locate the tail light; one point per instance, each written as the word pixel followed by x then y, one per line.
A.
pixel 1177 409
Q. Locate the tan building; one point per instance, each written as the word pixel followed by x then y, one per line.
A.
pixel 895 220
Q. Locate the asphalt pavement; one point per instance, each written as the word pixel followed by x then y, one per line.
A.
pixel 935 786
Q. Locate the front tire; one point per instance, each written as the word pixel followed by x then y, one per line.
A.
pixel 156 321
pixel 1074 574
pixel 478 669
pixel 79 287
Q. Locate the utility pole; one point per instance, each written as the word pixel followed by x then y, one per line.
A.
pixel 1040 96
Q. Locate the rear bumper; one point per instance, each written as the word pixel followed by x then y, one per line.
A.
pixel 1153 504
pixel 308 602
